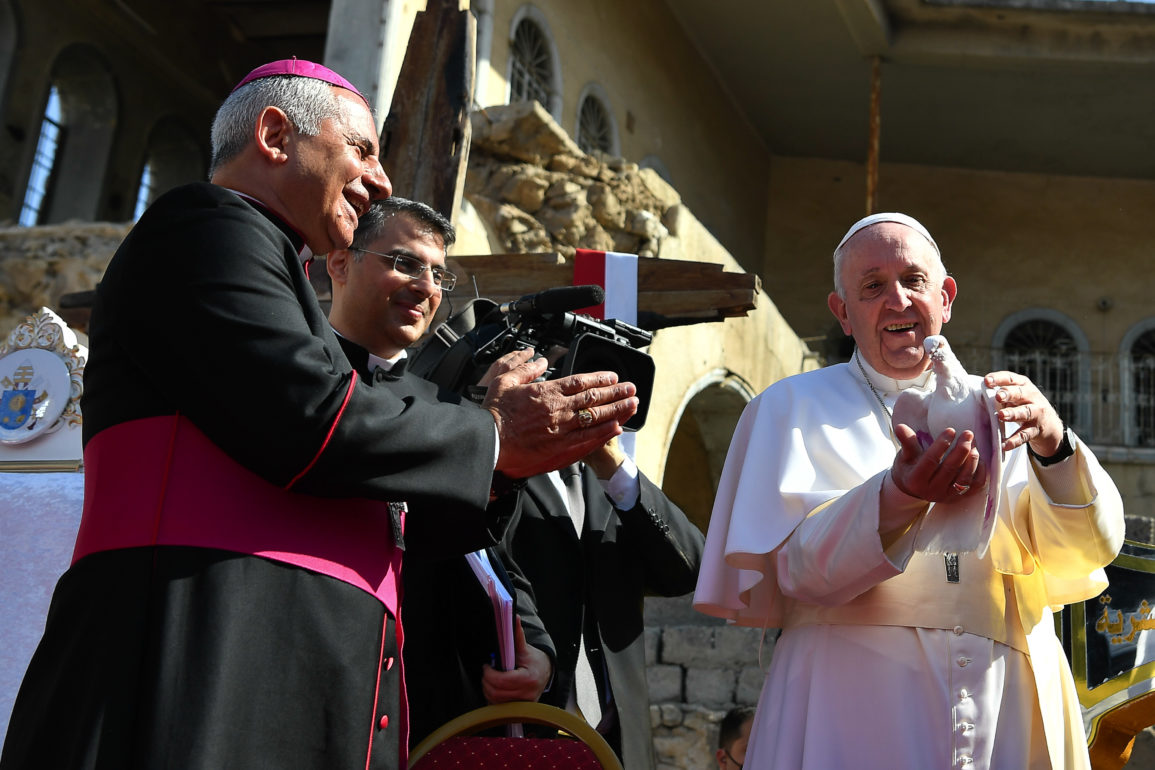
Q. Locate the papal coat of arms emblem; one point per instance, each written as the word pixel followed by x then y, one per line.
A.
pixel 34 389
pixel 16 407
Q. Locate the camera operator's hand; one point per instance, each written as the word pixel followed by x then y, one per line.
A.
pixel 548 425
pixel 606 459
pixel 506 363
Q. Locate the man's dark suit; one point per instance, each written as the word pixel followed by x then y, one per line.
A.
pixel 621 557
pixel 450 630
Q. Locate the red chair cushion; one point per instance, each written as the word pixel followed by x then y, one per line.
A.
pixel 480 752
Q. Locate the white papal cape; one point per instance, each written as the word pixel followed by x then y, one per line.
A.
pixel 883 663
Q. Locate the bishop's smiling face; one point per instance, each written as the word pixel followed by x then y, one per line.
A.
pixel 334 176
pixel 894 295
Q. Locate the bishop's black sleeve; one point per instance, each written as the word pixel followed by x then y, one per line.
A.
pixel 205 311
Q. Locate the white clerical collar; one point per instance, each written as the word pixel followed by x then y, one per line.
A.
pixel 884 383
pixel 377 362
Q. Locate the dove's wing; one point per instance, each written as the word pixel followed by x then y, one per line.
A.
pixel 910 409
pixel 989 439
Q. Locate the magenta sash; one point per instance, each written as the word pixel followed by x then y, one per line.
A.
pixel 160 481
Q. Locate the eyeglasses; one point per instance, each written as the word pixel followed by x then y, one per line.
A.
pixel 415 268
pixel 731 758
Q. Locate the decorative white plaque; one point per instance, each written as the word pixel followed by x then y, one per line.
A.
pixel 41 381
pixel 33 393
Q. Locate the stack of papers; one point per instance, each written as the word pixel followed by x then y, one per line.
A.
pixel 502 615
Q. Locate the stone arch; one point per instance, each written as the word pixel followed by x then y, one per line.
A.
pixel 703 426
pixel 89 106
pixel 173 157
pixel 531 15
pixel 697 447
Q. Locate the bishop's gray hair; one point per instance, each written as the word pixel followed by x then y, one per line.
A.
pixel 428 220
pixel 306 101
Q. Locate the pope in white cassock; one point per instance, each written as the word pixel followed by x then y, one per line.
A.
pixel 892 657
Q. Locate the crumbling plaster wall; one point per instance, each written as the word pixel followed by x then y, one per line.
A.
pixel 531 189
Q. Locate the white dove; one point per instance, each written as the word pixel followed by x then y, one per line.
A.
pixel 962 402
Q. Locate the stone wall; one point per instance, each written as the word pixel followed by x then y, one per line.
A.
pixel 537 191
pixel 695 675
pixel 39 264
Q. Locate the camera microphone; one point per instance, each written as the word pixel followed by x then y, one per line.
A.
pixel 562 299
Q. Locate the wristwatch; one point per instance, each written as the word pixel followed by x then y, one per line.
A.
pixel 1066 449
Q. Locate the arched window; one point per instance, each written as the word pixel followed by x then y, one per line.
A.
pixel 596 130
pixel 534 66
pixel 173 159
pixel 1050 349
pixel 42 178
pixel 145 191
pixel 76 135
pixel 1138 384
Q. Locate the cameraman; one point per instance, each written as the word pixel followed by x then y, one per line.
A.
pixel 380 308
pixel 595 539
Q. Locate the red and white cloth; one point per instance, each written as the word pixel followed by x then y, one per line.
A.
pixel 617 274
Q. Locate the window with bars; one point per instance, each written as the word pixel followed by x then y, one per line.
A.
pixel 531 68
pixel 40 180
pixel 595 128
pixel 1142 356
pixel 1047 353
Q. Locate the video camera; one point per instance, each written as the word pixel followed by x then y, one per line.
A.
pixel 460 350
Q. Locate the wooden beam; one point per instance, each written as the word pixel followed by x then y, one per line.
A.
pixel 425 139
pixel 682 292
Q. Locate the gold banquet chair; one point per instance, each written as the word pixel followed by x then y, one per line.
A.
pixel 455 745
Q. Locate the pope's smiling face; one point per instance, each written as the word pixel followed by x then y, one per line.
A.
pixel 894 295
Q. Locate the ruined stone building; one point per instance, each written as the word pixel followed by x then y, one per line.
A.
pixel 746 135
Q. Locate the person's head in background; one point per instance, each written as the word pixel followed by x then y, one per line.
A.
pixel 733 735
pixel 388 284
